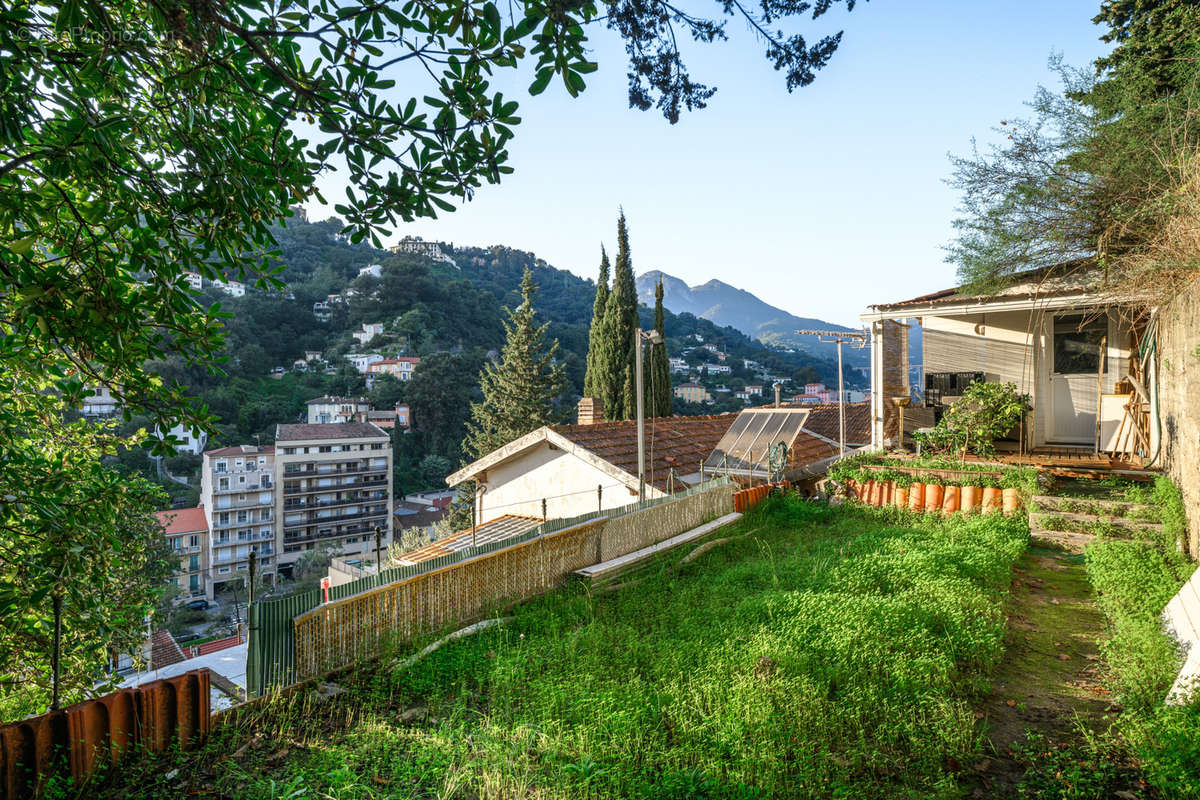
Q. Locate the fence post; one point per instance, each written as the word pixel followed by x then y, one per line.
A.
pixel 378 563
pixel 250 584
pixel 599 497
pixel 543 509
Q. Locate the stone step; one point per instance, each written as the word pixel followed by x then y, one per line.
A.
pixel 1061 540
pixel 1036 520
pixel 1052 502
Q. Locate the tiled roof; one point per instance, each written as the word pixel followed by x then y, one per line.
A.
pixel 678 443
pixel 242 450
pixel 182 520
pixel 501 528
pixel 163 650
pixel 326 430
pixel 807 449
pixel 823 421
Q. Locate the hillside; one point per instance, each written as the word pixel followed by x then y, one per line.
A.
pixel 737 308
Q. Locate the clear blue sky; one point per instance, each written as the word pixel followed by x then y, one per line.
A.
pixel 821 201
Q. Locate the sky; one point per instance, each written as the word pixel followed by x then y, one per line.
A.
pixel 821 201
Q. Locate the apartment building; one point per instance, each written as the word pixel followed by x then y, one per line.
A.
pixel 186 530
pixel 335 485
pixel 400 368
pixel 237 493
pixel 693 393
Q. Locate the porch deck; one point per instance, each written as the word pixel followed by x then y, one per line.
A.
pixel 1069 461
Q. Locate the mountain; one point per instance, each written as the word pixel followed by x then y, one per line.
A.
pixel 737 308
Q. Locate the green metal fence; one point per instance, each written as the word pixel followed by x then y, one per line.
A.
pixel 271 649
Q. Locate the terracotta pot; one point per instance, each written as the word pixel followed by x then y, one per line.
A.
pixel 970 499
pixel 950 500
pixel 1012 501
pixel 873 492
pixel 933 497
pixel 916 497
pixel 901 497
pixel 991 499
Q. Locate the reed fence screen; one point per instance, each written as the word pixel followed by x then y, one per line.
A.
pixel 298 637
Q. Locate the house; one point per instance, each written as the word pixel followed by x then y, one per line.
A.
pixel 230 287
pixel 337 409
pixel 312 355
pixel 191 441
pixel 677 365
pixel 592 465
pixel 194 280
pixel 415 245
pixel 754 389
pixel 692 392
pixel 101 403
pixel 186 530
pixel 322 311
pixel 750 364
pixel 1057 333
pixel 362 361
pixel 717 369
pixel 374 270
pixel 398 418
pixel 743 395
pixel 401 368
pixel 369 331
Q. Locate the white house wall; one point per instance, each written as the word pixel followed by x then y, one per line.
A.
pixel 567 482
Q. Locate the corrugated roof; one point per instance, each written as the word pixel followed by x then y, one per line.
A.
pixel 678 443
pixel 1079 277
pixel 182 520
pixel 327 430
pixel 499 529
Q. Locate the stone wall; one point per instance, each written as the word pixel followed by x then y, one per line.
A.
pixel 1179 400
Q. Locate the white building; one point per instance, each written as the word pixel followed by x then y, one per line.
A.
pixel 369 331
pixel 237 493
pixel 191 441
pixel 374 270
pixel 418 246
pixel 717 369
pixel 101 403
pixel 231 287
pixel 362 361
pixel 194 280
pixel 322 311
pixel 328 409
pixel 677 365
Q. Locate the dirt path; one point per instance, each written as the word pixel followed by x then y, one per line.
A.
pixel 1048 678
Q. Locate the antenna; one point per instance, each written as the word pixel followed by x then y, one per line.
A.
pixel 859 339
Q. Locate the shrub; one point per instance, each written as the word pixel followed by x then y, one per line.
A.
pixel 985 413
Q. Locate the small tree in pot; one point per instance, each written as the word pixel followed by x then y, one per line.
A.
pixel 985 413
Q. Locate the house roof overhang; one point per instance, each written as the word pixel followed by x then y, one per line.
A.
pixel 960 306
pixel 529 442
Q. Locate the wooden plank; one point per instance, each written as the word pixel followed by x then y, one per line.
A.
pixel 629 559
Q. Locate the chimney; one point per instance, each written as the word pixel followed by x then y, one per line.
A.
pixel 777 403
pixel 591 410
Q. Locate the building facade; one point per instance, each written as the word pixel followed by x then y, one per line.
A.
pixel 692 393
pixel 399 368
pixel 322 410
pixel 335 486
pixel 186 530
pixel 237 493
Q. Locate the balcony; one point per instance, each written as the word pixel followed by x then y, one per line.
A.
pixel 312 519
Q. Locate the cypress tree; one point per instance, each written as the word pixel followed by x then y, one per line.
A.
pixel 518 394
pixel 621 321
pixel 595 376
pixel 659 381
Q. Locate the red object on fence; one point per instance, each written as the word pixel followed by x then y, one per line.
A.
pixel 325 589
pixel 152 715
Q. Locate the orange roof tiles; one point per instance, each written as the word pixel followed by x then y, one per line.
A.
pixel 182 520
pixel 679 443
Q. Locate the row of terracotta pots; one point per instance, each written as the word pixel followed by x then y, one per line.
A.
pixel 746 499
pixel 934 498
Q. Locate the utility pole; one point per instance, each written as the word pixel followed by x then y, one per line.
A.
pixel 654 337
pixel 859 339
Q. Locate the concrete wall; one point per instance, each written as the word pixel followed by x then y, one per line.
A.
pixel 1178 366
pixel 568 484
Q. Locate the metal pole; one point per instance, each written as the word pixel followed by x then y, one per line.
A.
pixel 641 422
pixel 253 566
pixel 378 562
pixel 599 497
pixel 473 524
pixel 543 509
pixel 841 405
pixel 56 601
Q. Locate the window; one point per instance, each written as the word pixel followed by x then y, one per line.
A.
pixel 223 484
pixel 1077 344
pixel 289 451
pixel 241 480
pixel 242 516
pixel 324 449
pixel 193 563
pixel 224 570
pixel 194 540
pixel 194 584
pixel 223 518
pixel 221 466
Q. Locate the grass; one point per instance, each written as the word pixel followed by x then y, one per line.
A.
pixel 825 652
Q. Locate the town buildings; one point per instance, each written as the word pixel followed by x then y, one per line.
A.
pixel 186 530
pixel 335 486
pixel 400 368
pixel 237 497
pixel 362 361
pixel 415 245
pixel 692 392
pixel 337 409
pixel 369 331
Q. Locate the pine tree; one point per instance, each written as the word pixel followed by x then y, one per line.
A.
pixel 620 324
pixel 593 379
pixel 658 382
pixel 518 394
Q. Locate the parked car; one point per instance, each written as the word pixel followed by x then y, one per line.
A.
pixel 197 605
pixel 184 638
